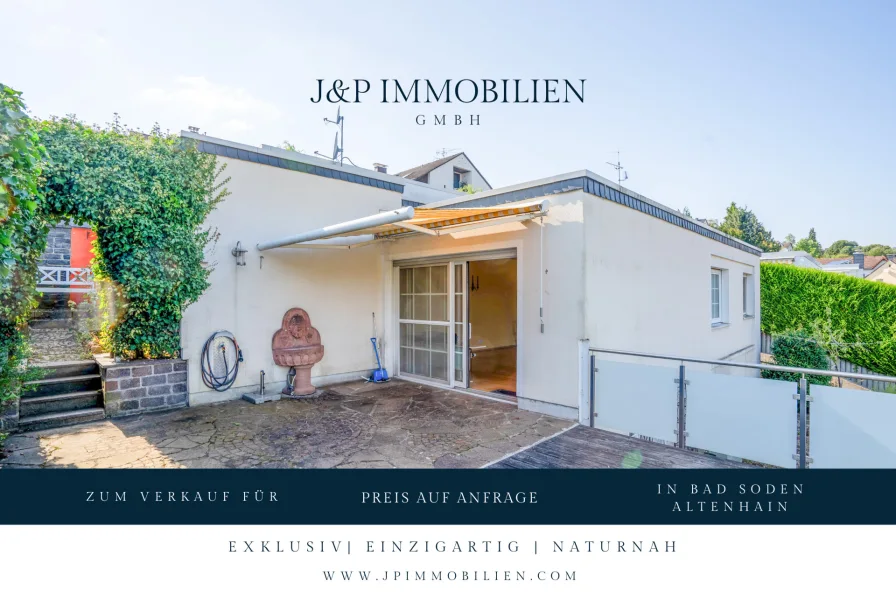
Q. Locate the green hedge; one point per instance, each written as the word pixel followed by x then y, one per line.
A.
pixel 860 312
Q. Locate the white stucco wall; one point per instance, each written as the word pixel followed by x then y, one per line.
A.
pixel 339 288
pixel 547 366
pixel 648 287
pixel 621 278
pixel 443 176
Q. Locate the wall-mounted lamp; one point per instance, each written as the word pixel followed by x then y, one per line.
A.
pixel 240 253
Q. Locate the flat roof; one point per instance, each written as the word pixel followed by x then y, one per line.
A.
pixel 594 184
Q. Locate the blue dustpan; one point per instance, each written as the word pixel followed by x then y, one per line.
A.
pixel 379 375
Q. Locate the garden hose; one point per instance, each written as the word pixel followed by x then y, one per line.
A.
pixel 221 358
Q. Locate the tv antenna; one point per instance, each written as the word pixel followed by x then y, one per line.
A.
pixel 621 175
pixel 443 153
pixel 338 153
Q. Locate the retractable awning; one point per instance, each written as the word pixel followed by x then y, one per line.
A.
pixel 408 221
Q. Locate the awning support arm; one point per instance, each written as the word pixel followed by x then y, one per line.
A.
pixel 380 219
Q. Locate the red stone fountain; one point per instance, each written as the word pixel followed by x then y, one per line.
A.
pixel 297 344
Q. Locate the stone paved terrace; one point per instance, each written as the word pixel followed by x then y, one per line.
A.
pixel 354 425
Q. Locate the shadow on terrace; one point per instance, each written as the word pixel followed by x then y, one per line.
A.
pixel 354 425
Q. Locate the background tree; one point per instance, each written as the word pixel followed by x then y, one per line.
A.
pixel 809 244
pixel 878 249
pixel 790 238
pixel 841 248
pixel 742 223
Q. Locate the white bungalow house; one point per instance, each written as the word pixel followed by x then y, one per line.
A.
pixel 487 293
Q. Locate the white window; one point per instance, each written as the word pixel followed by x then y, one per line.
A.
pixel 716 296
pixel 748 291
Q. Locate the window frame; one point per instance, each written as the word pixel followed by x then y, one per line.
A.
pixel 748 291
pixel 713 319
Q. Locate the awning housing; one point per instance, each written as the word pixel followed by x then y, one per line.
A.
pixel 408 221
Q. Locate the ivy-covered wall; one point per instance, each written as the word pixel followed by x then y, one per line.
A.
pixel 146 196
pixel 856 316
pixel 23 234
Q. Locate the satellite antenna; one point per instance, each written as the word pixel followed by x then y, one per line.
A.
pixel 338 153
pixel 621 175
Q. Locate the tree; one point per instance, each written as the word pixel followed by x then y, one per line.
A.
pixel 841 248
pixel 798 349
pixel 790 238
pixel 877 249
pixel 742 223
pixel 809 244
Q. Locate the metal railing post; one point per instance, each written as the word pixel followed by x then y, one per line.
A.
pixel 803 415
pixel 681 431
pixel 591 390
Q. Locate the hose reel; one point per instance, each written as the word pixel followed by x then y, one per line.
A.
pixel 220 360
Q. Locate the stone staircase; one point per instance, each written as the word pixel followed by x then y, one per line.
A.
pixel 51 313
pixel 69 393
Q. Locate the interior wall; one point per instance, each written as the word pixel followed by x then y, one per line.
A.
pixel 493 304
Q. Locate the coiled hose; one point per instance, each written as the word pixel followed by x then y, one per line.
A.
pixel 221 358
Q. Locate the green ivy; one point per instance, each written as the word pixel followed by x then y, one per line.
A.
pixel 23 234
pixel 146 197
pixel 860 314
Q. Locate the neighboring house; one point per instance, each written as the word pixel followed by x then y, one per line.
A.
pixel 884 271
pixel 797 258
pixel 879 268
pixel 451 172
pixel 557 249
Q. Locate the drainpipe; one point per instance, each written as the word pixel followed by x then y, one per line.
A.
pixel 389 217
pixel 541 274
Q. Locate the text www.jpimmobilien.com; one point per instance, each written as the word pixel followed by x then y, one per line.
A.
pixel 449 575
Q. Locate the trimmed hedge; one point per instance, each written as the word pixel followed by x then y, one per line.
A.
pixel 863 312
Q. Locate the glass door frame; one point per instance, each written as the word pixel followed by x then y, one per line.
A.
pixel 413 322
pixel 458 287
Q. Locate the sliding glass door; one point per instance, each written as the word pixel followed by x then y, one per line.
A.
pixel 432 319
pixel 425 325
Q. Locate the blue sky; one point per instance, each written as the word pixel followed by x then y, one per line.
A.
pixel 787 107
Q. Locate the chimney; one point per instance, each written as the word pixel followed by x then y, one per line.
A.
pixel 380 167
pixel 859 258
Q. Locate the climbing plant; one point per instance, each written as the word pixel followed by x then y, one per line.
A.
pixel 23 232
pixel 147 197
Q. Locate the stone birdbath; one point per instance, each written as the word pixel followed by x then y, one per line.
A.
pixel 296 344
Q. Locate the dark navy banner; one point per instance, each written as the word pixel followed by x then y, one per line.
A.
pixel 682 496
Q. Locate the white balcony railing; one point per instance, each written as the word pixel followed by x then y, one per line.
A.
pixel 73 280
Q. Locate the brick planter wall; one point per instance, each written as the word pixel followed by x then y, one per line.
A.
pixel 135 387
pixel 9 415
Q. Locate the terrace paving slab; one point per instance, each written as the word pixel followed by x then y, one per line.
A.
pixel 355 425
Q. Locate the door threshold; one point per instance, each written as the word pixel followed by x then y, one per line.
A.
pixel 467 391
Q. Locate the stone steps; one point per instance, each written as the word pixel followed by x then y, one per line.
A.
pixel 61 385
pixel 60 419
pixel 69 393
pixel 54 403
